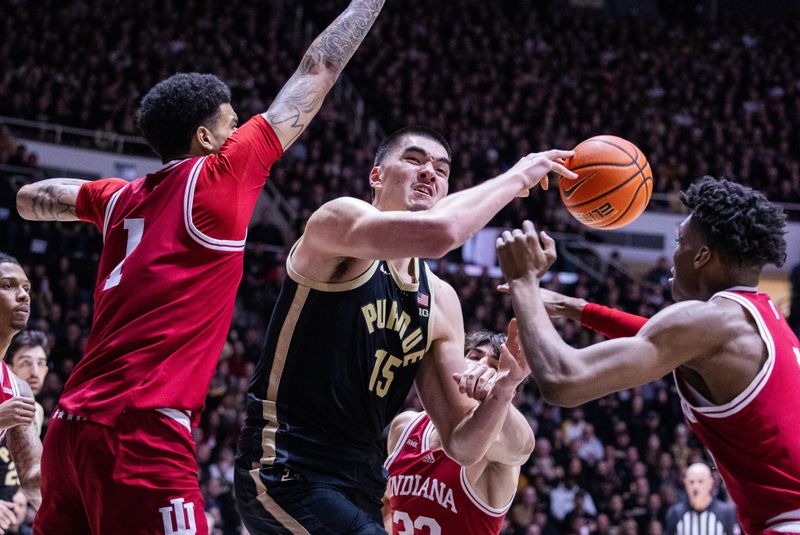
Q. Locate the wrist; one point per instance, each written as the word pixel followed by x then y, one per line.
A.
pixel 505 389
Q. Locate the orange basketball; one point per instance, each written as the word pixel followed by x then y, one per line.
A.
pixel 613 186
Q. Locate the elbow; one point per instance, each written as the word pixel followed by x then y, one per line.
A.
pixel 24 202
pixel 462 454
pixel 559 392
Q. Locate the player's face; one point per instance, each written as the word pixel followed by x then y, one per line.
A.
pixel 14 299
pixel 483 354
pixel 223 127
pixel 30 365
pixel 684 279
pixel 414 175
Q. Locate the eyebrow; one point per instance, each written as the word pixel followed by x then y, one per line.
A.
pixel 14 279
pixel 414 148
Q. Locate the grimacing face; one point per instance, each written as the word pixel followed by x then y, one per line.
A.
pixel 413 176
pixel 484 354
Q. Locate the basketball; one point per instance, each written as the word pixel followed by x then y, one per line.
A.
pixel 613 186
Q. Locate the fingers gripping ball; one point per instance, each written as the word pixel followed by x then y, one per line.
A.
pixel 613 186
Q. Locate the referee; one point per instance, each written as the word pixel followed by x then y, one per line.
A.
pixel 702 514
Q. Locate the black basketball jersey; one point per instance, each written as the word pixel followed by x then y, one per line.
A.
pixel 338 363
pixel 9 482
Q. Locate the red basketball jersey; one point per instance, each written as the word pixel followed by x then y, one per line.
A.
pixel 8 389
pixel 755 438
pixel 430 493
pixel 171 264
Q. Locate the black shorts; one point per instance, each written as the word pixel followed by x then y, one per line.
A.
pixel 299 506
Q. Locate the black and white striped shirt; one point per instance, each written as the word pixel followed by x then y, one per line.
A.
pixel 718 519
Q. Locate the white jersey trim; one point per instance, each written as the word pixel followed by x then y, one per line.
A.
pixel 402 440
pixel 179 416
pixel 744 398
pixel 472 494
pixel 110 208
pixel 225 246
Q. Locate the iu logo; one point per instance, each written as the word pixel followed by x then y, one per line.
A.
pixel 182 512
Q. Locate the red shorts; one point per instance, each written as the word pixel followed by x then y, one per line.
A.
pixel 138 477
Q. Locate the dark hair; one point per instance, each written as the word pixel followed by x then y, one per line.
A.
pixel 27 339
pixel 483 337
pixel 414 130
pixel 172 111
pixel 8 259
pixel 737 221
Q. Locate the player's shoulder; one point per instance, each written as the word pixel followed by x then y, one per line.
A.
pixel 399 424
pixel 444 291
pixel 710 317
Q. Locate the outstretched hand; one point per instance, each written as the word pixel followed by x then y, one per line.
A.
pixel 534 167
pixel 522 254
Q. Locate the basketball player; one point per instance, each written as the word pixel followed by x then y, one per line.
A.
pixel 358 316
pixel 16 399
pixel 701 513
pixel 27 358
pixel 427 487
pixel 119 454
pixel 734 359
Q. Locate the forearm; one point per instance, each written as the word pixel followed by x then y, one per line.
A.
pixel 610 322
pixel 49 200
pixel 467 211
pixel 26 452
pixel 551 360
pixel 301 98
pixel 472 437
pixel 516 441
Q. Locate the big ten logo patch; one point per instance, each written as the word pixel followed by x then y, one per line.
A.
pixel 183 513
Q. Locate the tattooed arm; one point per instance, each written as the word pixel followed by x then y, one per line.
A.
pixel 49 200
pixel 301 98
pixel 26 452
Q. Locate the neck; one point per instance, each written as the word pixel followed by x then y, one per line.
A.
pixel 5 341
pixel 730 278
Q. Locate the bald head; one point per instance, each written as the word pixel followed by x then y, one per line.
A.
pixel 699 483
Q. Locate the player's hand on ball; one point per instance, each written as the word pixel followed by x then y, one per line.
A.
pixel 521 253
pixel 17 411
pixel 533 168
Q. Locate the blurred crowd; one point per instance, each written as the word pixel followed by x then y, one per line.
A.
pixel 697 98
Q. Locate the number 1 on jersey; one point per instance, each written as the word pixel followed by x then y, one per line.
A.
pixel 135 228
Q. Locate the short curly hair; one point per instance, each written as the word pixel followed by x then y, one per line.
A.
pixel 738 221
pixel 172 111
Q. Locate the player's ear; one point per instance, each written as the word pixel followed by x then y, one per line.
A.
pixel 702 256
pixel 204 139
pixel 376 179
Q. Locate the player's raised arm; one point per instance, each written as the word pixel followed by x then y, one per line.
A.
pixel 467 429
pixel 348 227
pixel 567 376
pixel 26 452
pixel 53 199
pixel 301 97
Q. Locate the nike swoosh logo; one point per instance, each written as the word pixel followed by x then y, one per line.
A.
pixel 568 192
